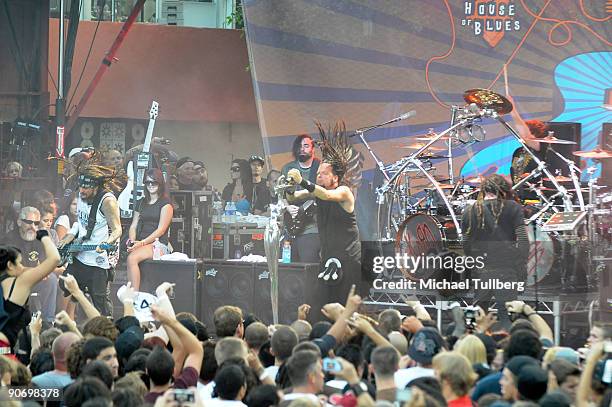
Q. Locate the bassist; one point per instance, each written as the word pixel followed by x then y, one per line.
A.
pixel 305 246
pixel 97 212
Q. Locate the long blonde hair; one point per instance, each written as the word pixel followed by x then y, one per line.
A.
pixel 472 348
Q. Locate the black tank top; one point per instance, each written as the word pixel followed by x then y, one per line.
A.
pixel 338 232
pixel 18 316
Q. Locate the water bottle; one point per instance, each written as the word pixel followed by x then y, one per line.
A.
pixel 232 212
pixel 237 253
pixel 157 250
pixel 286 258
pixel 226 214
pixel 217 211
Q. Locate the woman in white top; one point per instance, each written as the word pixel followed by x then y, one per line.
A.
pixel 68 215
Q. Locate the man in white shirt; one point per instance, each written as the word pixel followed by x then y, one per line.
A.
pixel 230 383
pixel 284 339
pixel 425 344
pixel 306 373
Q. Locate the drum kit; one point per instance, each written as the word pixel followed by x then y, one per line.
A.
pixel 425 219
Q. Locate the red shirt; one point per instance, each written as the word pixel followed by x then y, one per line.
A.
pixel 464 401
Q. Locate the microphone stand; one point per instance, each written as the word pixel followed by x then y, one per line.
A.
pixel 567 202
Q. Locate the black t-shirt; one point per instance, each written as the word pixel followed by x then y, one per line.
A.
pixel 523 163
pixel 258 195
pixel 32 252
pixel 496 241
pixel 148 219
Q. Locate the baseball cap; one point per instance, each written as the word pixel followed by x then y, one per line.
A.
pixel 426 343
pixel 254 158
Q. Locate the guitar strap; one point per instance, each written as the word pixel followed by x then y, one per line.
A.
pixel 93 211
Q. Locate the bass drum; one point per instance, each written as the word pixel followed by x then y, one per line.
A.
pixel 424 238
pixel 544 255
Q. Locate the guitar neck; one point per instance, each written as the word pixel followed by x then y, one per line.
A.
pixel 83 248
pixel 147 143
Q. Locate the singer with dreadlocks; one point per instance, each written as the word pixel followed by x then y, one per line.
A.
pixel 338 173
pixel 494 228
pixel 97 211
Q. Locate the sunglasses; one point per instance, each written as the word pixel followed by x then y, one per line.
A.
pixel 31 222
pixel 235 169
pixel 151 183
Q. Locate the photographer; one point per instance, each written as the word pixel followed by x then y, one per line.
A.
pixel 595 379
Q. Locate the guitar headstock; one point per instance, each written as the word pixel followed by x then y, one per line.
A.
pixel 154 111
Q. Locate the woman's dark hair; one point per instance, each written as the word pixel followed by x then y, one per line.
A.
pixel 8 253
pixel 126 398
pixel 65 208
pixel 297 144
pixel 245 170
pixel 85 389
pixel 157 176
pixel 100 370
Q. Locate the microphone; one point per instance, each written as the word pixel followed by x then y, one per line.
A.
pixel 404 116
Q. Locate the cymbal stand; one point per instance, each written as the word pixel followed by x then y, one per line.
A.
pixel 413 159
pixel 547 203
pixel 567 202
pixel 573 168
pixel 451 174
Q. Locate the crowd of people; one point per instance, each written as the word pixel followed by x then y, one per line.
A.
pixel 342 355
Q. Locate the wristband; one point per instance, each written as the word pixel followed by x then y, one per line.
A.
pixel 358 389
pixel 307 185
pixel 41 233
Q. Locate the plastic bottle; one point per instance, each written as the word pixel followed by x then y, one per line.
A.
pixel 237 253
pixel 233 216
pixel 157 250
pixel 226 213
pixel 217 211
pixel 286 257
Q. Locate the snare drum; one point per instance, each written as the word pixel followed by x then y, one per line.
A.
pixel 422 235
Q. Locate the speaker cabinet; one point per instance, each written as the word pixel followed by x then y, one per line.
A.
pixel 184 274
pixel 225 283
pixel 564 131
pixel 297 285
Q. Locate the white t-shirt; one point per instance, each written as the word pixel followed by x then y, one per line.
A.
pixel 64 221
pixel 404 376
pixel 217 402
pixel 99 234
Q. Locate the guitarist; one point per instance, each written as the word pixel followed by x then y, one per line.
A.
pixel 305 247
pixel 97 211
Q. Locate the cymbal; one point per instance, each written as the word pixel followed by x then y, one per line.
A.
pixel 431 137
pixel 560 178
pixel 597 153
pixel 417 146
pixel 553 140
pixel 487 99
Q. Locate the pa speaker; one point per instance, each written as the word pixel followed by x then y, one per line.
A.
pixel 184 274
pixel 564 131
pixel 297 285
pixel 225 283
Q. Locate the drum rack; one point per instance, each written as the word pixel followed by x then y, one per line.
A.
pixel 554 305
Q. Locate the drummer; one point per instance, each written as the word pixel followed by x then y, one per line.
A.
pixel 522 162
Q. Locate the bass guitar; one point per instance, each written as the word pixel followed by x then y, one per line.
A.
pixel 68 251
pixel 135 187
pixel 304 217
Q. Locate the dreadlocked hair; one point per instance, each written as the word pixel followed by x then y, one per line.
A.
pixel 497 185
pixel 110 179
pixel 345 161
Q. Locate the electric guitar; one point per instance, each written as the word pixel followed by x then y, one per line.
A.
pixel 296 225
pixel 67 252
pixel 134 189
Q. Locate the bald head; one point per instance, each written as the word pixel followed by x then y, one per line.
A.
pixel 302 328
pixel 399 342
pixel 60 347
